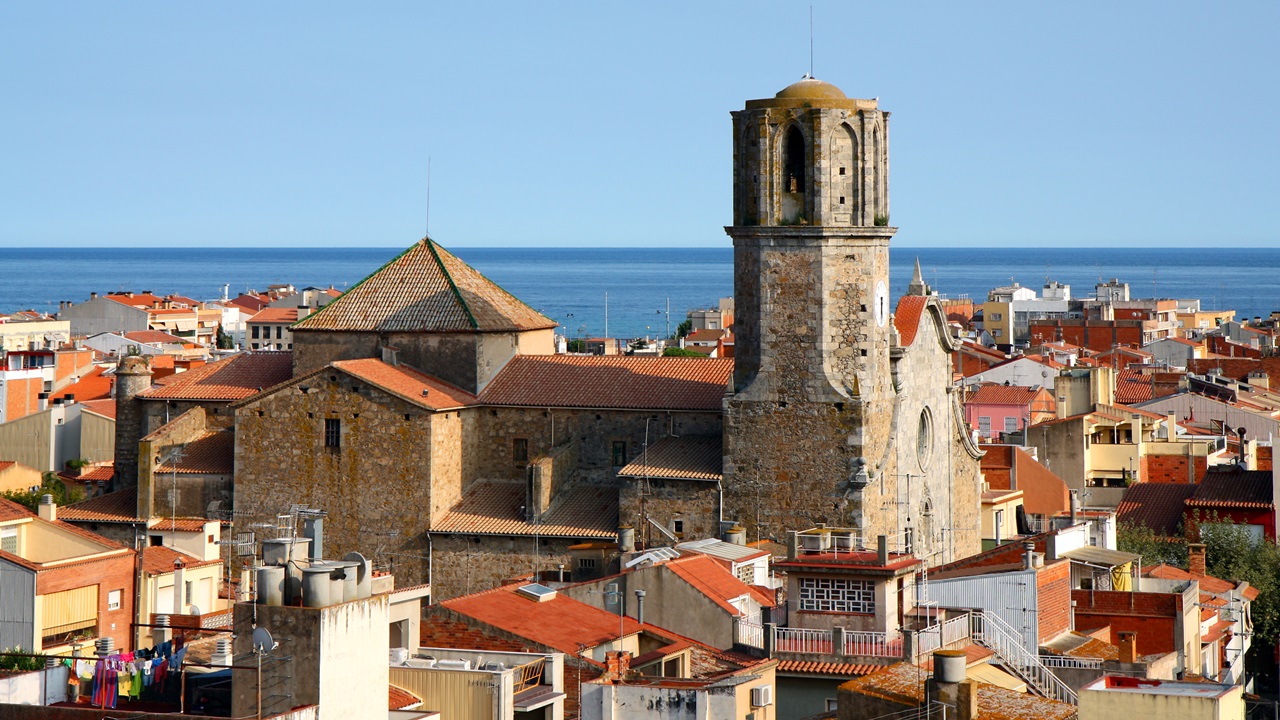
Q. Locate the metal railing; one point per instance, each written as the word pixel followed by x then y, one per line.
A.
pixel 750 634
pixel 1073 663
pixel 527 676
pixel 803 640
pixel 872 644
pixel 993 632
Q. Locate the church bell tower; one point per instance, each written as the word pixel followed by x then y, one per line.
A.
pixel 808 423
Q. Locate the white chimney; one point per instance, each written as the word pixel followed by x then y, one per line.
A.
pixel 48 510
pixel 179 590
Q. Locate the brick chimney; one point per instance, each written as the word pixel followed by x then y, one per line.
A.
pixel 1128 647
pixel 617 665
pixel 1195 559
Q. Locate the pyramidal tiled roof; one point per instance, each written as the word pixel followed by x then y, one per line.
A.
pixel 426 289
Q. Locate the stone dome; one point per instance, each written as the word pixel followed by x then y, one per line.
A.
pixel 810 88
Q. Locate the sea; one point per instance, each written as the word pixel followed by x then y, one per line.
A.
pixel 647 291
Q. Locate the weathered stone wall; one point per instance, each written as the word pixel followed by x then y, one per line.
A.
pixel 552 473
pixel 938 488
pixel 133 375
pixel 695 503
pixel 377 483
pixel 218 414
pixel 464 564
pixel 153 450
pixel 467 360
pixel 488 450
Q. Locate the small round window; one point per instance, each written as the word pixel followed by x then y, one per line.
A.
pixel 924 439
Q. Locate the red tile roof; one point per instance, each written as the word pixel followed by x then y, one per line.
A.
pixel 155 337
pixel 426 289
pixel 137 300
pixel 1004 395
pixel 234 378
pixel 1156 506
pixel 811 667
pixel 1233 487
pixel 118 506
pixel 407 383
pixel 275 315
pixel 712 580
pixel 561 622
pixel 178 524
pixel 705 335
pixel 159 559
pixel 401 699
pixel 908 316
pixel 1208 583
pixel 688 457
pixel 106 407
pixel 642 383
pixel 92 386
pixel 495 508
pixel 209 454
pixel 103 471
pixel 10 510
pixel 1133 386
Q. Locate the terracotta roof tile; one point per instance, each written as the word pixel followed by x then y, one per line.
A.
pixel 1208 583
pixel 159 559
pixel 234 378
pixel 561 622
pixel 907 317
pixel 118 506
pixel 407 383
pixel 426 289
pixel 178 524
pixel 209 454
pixel 712 580
pixel 91 386
pixel 1004 395
pixel 275 315
pixel 1132 386
pixel 401 699
pixel 106 407
pixel 1043 492
pixel 103 471
pixel 689 457
pixel 155 337
pixel 1156 506
pixel 642 383
pixel 10 510
pixel 811 667
pixel 1233 487
pixel 494 508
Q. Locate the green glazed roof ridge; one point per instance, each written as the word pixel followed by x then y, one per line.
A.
pixel 444 270
pixel 362 281
pixel 500 288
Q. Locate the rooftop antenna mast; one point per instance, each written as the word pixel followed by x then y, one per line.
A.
pixel 810 39
pixel 428 218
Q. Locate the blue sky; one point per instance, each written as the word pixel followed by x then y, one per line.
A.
pixel 607 124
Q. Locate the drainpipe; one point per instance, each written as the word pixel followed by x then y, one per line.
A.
pixel 640 606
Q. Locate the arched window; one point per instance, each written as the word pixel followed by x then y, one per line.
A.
pixel 793 164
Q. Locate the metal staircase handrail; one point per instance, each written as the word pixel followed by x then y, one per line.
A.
pixel 1000 637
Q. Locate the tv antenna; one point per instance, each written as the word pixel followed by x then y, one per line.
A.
pixel 427 230
pixel 810 39
pixel 263 644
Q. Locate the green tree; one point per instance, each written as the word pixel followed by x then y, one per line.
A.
pixel 684 328
pixel 1153 548
pixel 223 340
pixel 680 352
pixel 22 664
pixel 577 346
pixel 51 485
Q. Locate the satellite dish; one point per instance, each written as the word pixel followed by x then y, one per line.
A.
pixel 262 642
pixel 363 570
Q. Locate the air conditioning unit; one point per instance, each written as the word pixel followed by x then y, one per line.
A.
pixel 453 664
pixel 762 696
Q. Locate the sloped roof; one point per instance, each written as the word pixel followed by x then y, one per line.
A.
pixel 407 383
pixel 1208 583
pixel 629 382
pixel 93 473
pixel 119 506
pixel 155 337
pixel 1156 506
pixel 907 317
pixel 1232 487
pixel 689 457
pixel 93 385
pixel 234 378
pixel 275 315
pixel 105 407
pixel 1133 387
pixel 714 581
pixel 812 667
pixel 561 622
pixel 400 699
pixel 10 510
pixel 159 559
pixel 426 289
pixel 209 454
pixel 1004 395
pixel 496 508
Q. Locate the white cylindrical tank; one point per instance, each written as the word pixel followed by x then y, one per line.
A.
pixel 271 585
